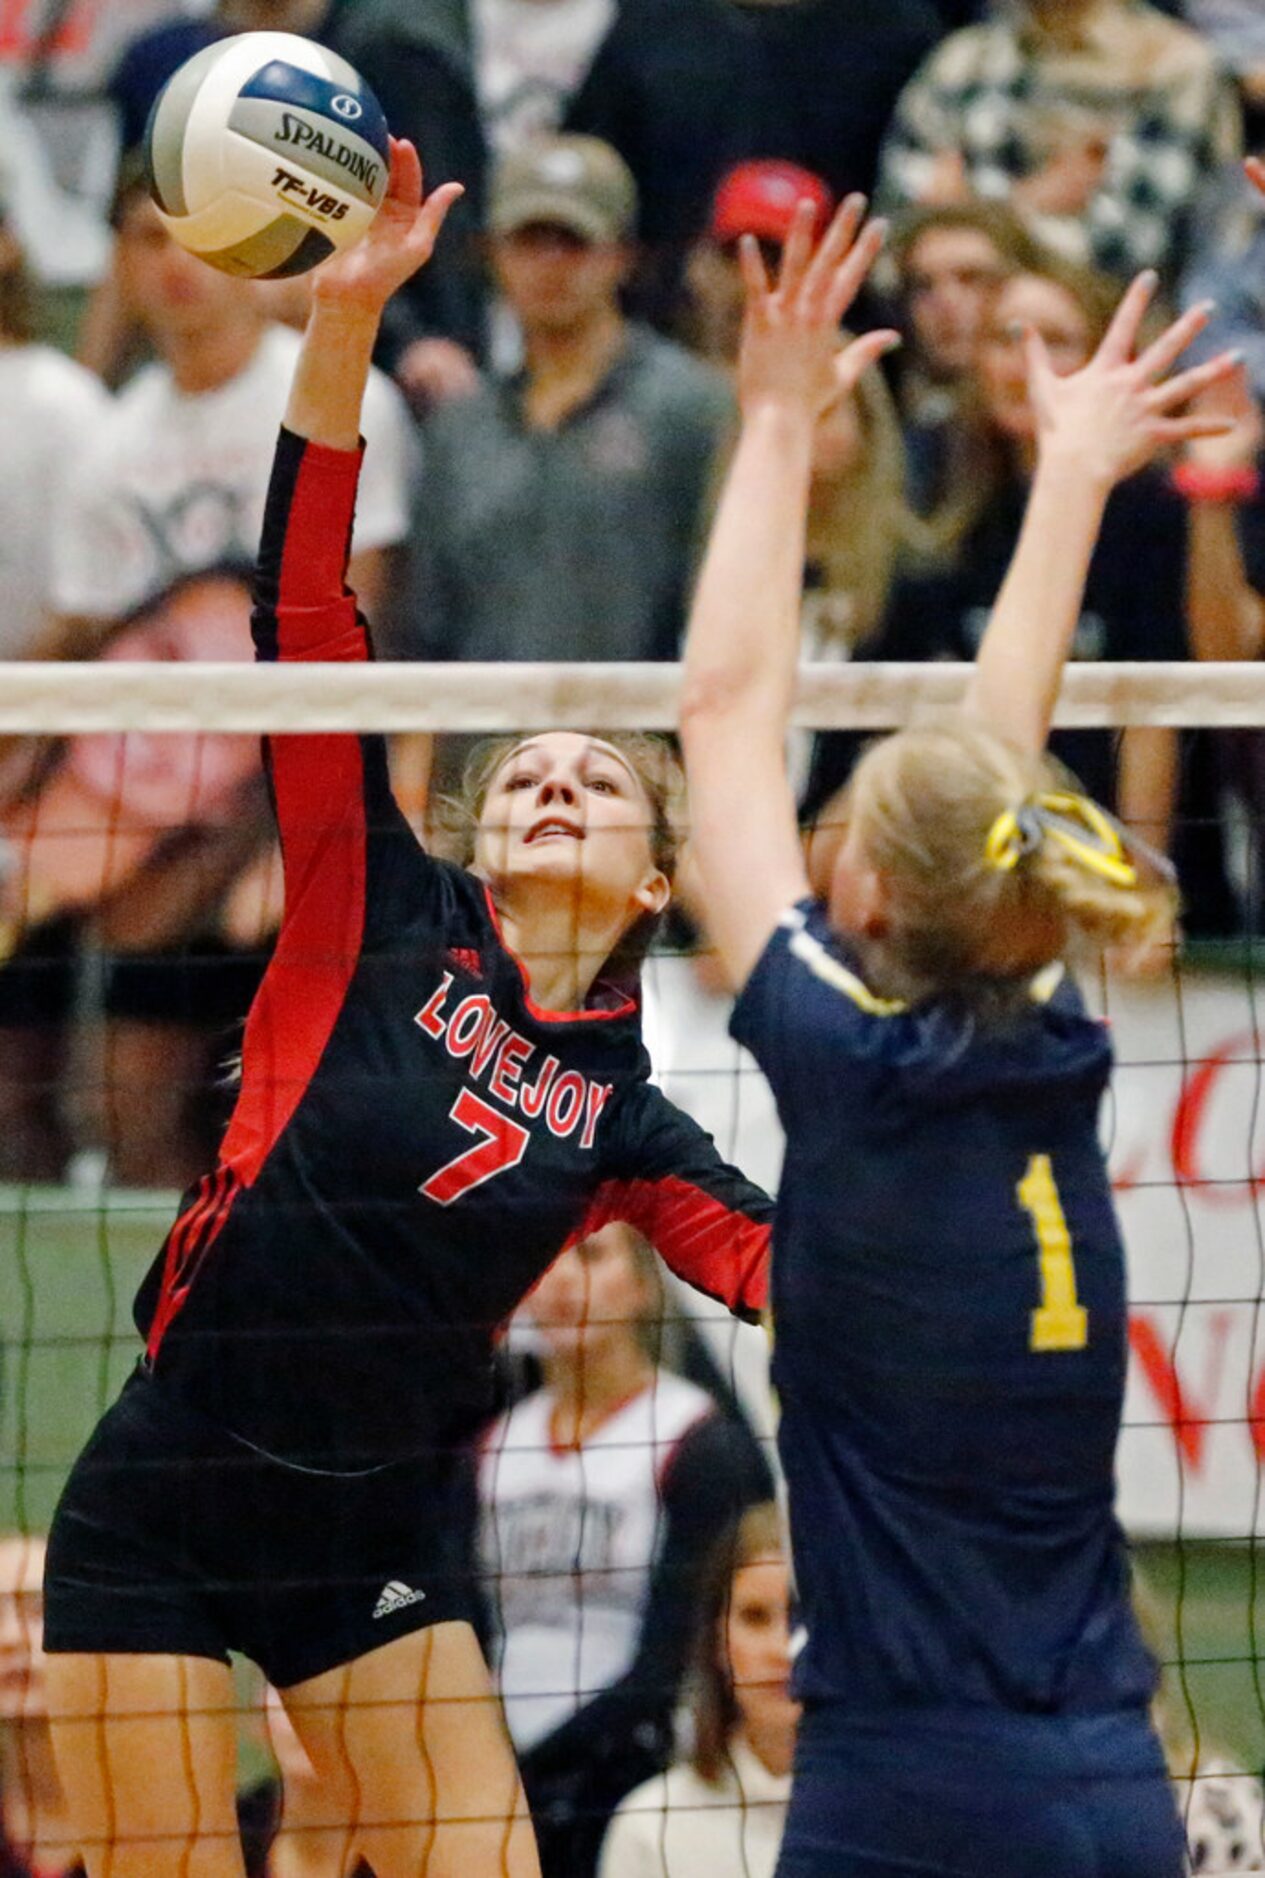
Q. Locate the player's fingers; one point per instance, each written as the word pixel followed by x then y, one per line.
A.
pixel 835 244
pixel 1255 168
pixel 755 276
pixel 1173 341
pixel 1036 358
pixel 435 209
pixel 1122 334
pixel 1187 385
pixel 1174 430
pixel 405 181
pixel 797 253
pixel 851 275
pixel 856 359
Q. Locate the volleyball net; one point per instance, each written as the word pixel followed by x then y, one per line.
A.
pixel 142 896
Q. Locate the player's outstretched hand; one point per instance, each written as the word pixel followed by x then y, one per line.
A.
pixel 791 354
pixel 401 239
pixel 1121 410
pixel 1255 167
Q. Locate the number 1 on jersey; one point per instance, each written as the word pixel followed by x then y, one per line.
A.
pixel 503 1144
pixel 1059 1321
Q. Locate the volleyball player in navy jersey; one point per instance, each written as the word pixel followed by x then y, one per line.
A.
pixel 442 1080
pixel 948 1277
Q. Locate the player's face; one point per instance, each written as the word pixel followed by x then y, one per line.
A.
pixel 568 813
pixel 22 1695
pixel 755 1643
pixel 952 278
pixel 1028 300
pixel 555 280
pixel 169 291
pixel 592 1297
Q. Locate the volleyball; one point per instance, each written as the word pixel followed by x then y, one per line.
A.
pixel 265 154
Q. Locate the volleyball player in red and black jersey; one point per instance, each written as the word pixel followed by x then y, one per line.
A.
pixel 439 1087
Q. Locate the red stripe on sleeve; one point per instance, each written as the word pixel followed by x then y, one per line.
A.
pixel 720 1252
pixel 318 788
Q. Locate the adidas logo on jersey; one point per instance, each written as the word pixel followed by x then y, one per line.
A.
pixel 394 1597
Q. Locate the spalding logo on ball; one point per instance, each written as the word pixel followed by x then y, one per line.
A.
pixel 266 153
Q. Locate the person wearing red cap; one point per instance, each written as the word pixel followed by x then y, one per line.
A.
pixel 757 198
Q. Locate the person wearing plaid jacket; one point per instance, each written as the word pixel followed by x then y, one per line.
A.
pixel 1100 120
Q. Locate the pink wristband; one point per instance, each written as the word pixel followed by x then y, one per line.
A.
pixel 1205 482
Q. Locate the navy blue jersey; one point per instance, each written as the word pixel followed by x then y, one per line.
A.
pixel 949 1312
pixel 414 1139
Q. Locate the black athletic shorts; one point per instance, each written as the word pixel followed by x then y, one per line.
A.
pixel 172 1538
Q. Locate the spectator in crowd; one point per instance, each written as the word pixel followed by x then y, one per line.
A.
pixel 599 1496
pixel 757 198
pixel 1221 481
pixel 1101 121
pixel 122 849
pixel 721 1809
pixel 1236 31
pixel 56 129
pixel 1134 606
pixel 1228 268
pixel 950 263
pixel 668 82
pixel 173 478
pixel 50 405
pixel 36 1840
pixel 557 510
pixel 833 71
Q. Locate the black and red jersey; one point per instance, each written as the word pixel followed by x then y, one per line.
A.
pixel 414 1139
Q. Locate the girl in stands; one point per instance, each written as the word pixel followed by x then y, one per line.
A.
pixel 600 1495
pixel 949 1285
pixel 723 1808
pixel 442 1080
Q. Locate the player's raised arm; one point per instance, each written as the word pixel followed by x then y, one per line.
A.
pixel 349 294
pixel 743 643
pixel 303 608
pixel 1095 427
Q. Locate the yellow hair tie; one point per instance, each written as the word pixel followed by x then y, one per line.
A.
pixel 1083 830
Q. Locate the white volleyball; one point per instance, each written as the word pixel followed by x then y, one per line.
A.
pixel 266 153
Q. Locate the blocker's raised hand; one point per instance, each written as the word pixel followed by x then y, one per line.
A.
pixel 400 240
pixel 1120 411
pixel 791 354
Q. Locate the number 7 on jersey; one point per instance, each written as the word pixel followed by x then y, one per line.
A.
pixel 502 1144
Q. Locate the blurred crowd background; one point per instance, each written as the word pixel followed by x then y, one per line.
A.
pixel 546 433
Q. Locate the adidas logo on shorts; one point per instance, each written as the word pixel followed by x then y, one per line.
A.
pixel 394 1597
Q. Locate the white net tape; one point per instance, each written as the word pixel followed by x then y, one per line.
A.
pixel 63 699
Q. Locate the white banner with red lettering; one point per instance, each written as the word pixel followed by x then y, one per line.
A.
pixel 1186 1129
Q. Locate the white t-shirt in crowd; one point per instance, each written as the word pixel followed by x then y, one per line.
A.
pixel 49 406
pixel 679 1826
pixel 568 1539
pixel 532 55
pixel 170 483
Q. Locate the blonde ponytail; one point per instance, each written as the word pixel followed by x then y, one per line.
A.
pixel 993 863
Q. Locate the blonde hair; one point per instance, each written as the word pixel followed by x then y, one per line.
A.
pixel 967 912
pixel 856 535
